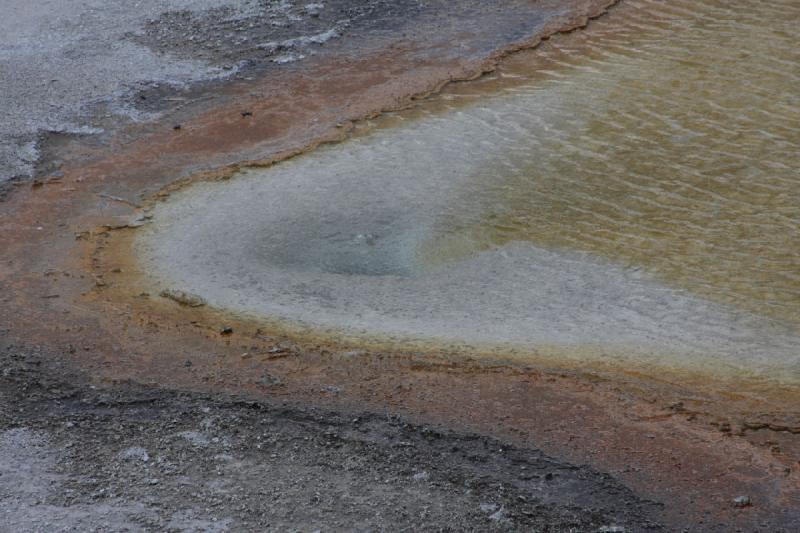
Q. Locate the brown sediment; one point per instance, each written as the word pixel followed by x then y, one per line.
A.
pixel 692 447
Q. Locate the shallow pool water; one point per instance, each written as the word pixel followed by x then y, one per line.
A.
pixel 632 190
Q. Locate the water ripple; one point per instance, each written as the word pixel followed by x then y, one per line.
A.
pixel 632 188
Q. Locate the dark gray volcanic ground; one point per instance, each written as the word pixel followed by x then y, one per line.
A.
pixel 80 458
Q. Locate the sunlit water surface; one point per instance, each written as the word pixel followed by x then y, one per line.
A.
pixel 630 191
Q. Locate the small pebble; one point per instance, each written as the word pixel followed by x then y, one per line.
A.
pixel 742 501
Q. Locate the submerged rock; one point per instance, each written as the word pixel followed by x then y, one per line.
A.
pixel 183 298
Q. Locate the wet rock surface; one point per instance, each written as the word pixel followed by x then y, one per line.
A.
pixel 127 457
pixel 183 298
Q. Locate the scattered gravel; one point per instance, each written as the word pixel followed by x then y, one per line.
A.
pixel 81 457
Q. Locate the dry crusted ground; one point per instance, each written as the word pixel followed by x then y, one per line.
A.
pixel 120 411
pixel 81 457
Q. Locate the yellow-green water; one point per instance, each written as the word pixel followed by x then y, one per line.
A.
pixel 670 140
pixel 627 193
